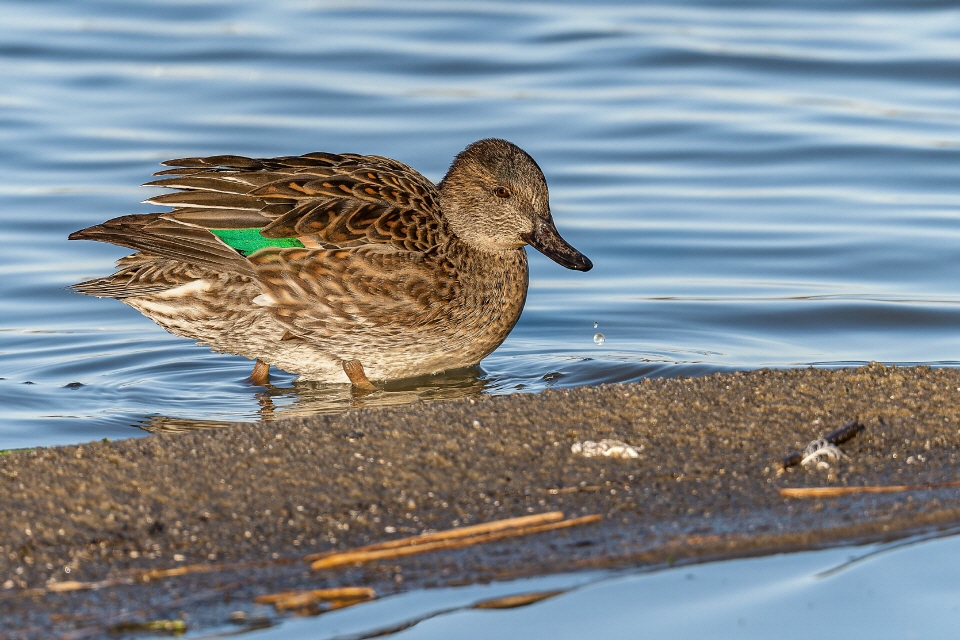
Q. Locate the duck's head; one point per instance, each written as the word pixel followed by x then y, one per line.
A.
pixel 495 198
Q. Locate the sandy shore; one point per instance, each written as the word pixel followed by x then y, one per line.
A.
pixel 255 499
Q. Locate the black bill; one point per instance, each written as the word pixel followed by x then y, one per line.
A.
pixel 546 239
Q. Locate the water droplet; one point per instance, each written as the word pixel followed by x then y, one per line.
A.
pixel 599 339
pixel 596 324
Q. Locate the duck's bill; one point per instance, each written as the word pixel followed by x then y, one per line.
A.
pixel 546 239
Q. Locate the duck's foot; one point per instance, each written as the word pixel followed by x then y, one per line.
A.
pixel 260 375
pixel 358 378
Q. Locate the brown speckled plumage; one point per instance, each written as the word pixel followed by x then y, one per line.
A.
pixel 399 275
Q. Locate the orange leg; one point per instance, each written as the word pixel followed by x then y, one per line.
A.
pixel 354 371
pixel 260 375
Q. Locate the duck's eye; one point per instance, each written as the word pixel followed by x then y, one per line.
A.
pixel 501 192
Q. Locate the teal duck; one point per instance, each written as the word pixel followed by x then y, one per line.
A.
pixel 338 267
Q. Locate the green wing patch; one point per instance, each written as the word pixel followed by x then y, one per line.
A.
pixel 246 241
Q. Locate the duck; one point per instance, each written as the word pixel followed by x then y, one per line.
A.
pixel 339 268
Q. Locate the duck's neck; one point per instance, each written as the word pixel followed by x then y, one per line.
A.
pixel 492 269
pixel 493 286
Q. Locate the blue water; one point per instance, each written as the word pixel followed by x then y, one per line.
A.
pixel 905 590
pixel 765 185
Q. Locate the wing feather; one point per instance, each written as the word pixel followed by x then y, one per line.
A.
pixel 322 199
pixel 370 286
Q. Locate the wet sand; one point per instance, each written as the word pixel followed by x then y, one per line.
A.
pixel 253 500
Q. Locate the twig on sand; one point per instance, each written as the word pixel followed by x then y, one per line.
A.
pixel 834 492
pixel 337 593
pixel 449 539
pixel 336 598
pixel 156 574
pixel 450 534
pixel 145 575
pixel 574 489
pixel 519 600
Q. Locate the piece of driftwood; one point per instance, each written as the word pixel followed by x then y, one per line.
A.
pixel 834 492
pixel 519 600
pixel 309 600
pixel 451 534
pixel 449 539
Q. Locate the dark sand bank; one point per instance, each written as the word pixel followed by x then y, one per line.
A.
pixel 705 485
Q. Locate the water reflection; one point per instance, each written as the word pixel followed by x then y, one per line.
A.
pixel 312 398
